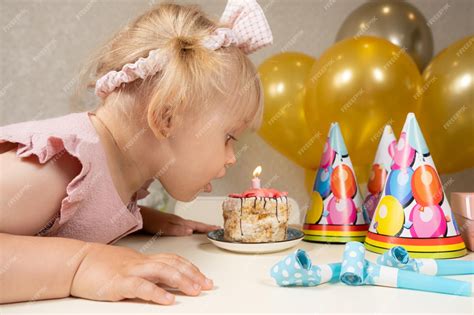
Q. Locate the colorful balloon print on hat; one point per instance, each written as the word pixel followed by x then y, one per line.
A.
pixel 322 184
pixel 343 182
pixel 428 221
pixel 402 153
pixel 335 214
pixel 426 186
pixel 413 211
pixel 328 156
pixel 377 179
pixel 315 211
pixel 399 185
pixel 341 211
pixel 389 216
pixel 380 168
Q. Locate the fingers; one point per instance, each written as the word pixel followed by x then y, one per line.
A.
pixel 136 287
pixel 163 273
pixel 178 259
pixel 201 227
pixel 173 218
pixel 188 269
pixel 178 226
pixel 178 230
pixel 187 227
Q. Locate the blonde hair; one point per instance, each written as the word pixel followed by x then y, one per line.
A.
pixel 193 77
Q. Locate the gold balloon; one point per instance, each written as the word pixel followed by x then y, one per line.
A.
pixel 363 84
pixel 447 111
pixel 284 124
pixel 396 21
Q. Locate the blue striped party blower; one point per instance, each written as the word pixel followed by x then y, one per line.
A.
pixel 356 270
pixel 398 257
pixel 296 269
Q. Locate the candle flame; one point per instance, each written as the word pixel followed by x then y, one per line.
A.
pixel 257 171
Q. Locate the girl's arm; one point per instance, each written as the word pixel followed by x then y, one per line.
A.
pixel 31 192
pixel 38 268
pixel 35 268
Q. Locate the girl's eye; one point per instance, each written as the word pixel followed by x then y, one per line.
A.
pixel 229 137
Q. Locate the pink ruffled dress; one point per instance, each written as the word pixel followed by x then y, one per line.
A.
pixel 92 210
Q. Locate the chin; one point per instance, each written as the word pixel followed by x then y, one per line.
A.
pixel 186 197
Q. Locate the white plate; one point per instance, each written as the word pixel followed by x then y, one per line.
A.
pixel 293 237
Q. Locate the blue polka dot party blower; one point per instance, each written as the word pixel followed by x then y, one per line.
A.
pixel 296 269
pixel 398 257
pixel 356 270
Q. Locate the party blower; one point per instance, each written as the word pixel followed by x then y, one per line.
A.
pixel 413 210
pixel 336 214
pixel 398 257
pixel 296 269
pixel 356 270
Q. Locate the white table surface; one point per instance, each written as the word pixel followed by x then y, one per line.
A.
pixel 243 285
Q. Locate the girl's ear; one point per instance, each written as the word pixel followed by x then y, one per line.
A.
pixel 163 120
pixel 167 121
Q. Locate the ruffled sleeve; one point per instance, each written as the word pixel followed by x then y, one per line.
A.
pixel 49 147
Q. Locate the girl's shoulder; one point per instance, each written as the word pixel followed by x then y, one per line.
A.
pixel 92 189
pixel 71 124
pixel 47 138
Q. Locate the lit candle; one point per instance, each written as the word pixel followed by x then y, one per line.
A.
pixel 257 191
pixel 255 179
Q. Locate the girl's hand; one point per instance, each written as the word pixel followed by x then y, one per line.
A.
pixel 113 273
pixel 167 224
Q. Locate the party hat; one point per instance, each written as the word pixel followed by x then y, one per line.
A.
pixel 380 168
pixel 335 214
pixel 413 210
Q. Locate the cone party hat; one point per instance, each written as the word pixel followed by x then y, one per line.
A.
pixel 335 214
pixel 413 210
pixel 380 168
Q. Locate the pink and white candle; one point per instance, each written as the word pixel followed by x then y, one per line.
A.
pixel 256 179
pixel 257 191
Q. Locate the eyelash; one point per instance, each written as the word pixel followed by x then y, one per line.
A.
pixel 230 137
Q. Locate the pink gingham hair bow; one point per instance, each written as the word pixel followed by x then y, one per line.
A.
pixel 249 30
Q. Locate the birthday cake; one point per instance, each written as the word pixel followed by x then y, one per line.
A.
pixel 259 215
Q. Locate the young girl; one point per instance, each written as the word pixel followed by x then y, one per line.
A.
pixel 176 90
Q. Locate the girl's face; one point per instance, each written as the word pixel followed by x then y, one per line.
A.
pixel 198 152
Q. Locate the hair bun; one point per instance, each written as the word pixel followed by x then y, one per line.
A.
pixel 184 43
